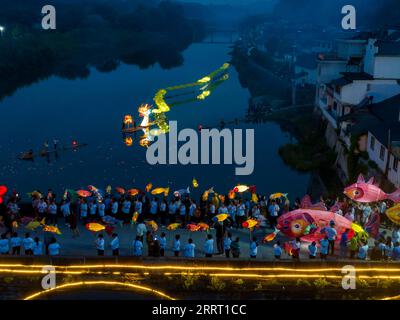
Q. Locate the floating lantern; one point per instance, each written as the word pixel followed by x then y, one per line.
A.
pixel 128 141
pixel 128 120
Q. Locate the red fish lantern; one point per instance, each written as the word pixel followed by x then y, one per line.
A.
pixel 3 191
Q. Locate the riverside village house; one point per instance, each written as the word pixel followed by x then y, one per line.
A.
pixel 358 96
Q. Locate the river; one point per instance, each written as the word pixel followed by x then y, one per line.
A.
pixel 91 111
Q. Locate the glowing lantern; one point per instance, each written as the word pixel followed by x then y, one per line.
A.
pixel 128 141
pixel 128 120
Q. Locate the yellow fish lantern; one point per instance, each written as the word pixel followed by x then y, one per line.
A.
pixel 254 198
pixel 32 225
pixel 394 214
pixel 160 190
pixel 220 217
pixel 128 141
pixel 153 225
pixel 173 226
pixel 278 195
pixel 148 187
pixel 206 193
pixel 215 200
pixel 135 217
pixel 195 183
pixel 128 120
pixel 250 223
pixel 52 229
pixel 95 227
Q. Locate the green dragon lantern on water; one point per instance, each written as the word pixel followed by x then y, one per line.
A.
pixel 154 120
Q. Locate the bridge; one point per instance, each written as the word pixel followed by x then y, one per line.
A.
pixel 219 36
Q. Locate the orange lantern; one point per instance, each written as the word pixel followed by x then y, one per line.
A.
pixel 128 141
pixel 128 119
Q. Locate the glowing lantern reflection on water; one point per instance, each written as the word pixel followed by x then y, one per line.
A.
pixel 128 141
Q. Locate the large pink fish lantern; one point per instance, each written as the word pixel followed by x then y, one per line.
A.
pixel 366 192
pixel 310 224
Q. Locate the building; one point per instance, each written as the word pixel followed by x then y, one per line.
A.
pixel 377 128
pixel 364 71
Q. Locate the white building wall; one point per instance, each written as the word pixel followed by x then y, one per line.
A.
pixel 330 70
pixel 374 154
pixel 356 91
pixel 387 67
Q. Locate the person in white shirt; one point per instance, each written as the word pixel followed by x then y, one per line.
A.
pixel 114 207
pixel 115 245
pixel 141 229
pixel 223 209
pixel 138 206
pixel 240 214
pixel 52 212
pixel 92 210
pixel 209 246
pixel 27 244
pixel 177 245
pixel 4 244
pixel 253 248
pixel 15 242
pixel 273 211
pixel 192 209
pixel 100 245
pixel 42 208
pixel 227 244
pixel 102 209
pixel 37 247
pixel 137 247
pixel 54 247
pixel 350 215
pixel 172 211
pixel 66 211
pixel 163 244
pixel 188 250
pixel 366 213
pixel 84 210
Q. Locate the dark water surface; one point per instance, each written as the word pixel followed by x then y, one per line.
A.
pixel 91 110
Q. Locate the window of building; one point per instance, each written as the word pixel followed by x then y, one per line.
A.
pixel 382 153
pixel 372 143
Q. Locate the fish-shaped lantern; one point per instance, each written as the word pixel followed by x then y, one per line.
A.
pixel 366 192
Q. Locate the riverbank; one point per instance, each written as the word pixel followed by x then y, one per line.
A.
pixel 268 81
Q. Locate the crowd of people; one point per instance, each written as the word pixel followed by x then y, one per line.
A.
pixel 118 209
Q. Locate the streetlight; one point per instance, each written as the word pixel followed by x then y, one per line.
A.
pixel 2 30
